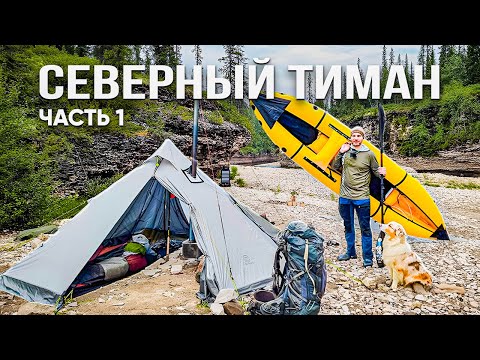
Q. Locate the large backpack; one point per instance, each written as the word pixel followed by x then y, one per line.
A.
pixel 301 284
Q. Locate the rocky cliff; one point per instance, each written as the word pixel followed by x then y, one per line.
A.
pixel 110 154
pixel 463 160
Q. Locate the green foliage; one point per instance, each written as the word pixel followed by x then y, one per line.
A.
pixel 25 181
pixel 472 64
pixel 453 70
pixel 459 114
pixel 415 145
pixel 153 119
pixel 232 114
pixel 96 185
pixel 244 302
pixel 203 304
pixel 24 74
pixel 30 150
pixel 174 110
pixel 14 246
pixel 63 208
pixel 118 55
pixel 240 182
pixel 457 185
pixel 260 143
pixel 214 117
pixel 277 190
pixel 401 120
pixel 452 184
pixel 458 107
pixel 233 172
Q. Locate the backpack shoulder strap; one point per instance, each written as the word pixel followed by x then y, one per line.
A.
pixel 278 278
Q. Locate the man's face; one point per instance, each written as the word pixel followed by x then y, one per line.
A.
pixel 356 139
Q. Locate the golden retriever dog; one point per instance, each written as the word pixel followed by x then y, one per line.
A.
pixel 404 266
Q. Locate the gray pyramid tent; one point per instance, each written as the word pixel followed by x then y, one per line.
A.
pixel 239 245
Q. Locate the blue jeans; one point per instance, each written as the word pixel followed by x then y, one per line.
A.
pixel 346 208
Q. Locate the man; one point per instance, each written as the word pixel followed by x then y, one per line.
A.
pixel 357 162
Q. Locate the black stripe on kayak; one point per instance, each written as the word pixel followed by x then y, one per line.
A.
pixel 418 207
pixel 406 174
pixel 320 169
pixel 423 227
pixel 296 152
pixel 339 131
pixel 391 208
pixel 324 113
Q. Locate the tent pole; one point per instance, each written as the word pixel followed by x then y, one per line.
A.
pixel 168 226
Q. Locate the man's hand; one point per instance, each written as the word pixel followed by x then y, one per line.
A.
pixel 382 171
pixel 345 147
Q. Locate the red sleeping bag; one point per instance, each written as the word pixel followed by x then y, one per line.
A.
pixel 136 262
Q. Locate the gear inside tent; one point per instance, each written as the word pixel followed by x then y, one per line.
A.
pixel 126 226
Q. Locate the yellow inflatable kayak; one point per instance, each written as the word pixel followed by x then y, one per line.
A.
pixel 312 137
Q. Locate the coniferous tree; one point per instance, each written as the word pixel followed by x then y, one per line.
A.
pixel 430 60
pixel 197 51
pixel 166 55
pixel 98 51
pixel 137 54
pixel 148 57
pixel 69 49
pixel 118 55
pixel 443 55
pixel 421 57
pixel 397 98
pixel 9 65
pixel 310 90
pixel 391 61
pixel 234 55
pixel 159 54
pixel 472 65
pixel 408 74
pixel 329 101
pixel 384 72
pixel 426 70
pixel 177 55
pixel 363 102
pixel 241 59
pixel 452 66
pixel 360 70
pixel 82 50
pixel 343 105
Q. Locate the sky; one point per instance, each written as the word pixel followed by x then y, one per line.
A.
pixel 283 55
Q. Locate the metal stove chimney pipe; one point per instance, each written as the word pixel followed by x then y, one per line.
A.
pixel 195 138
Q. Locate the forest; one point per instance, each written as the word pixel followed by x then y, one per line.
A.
pixel 30 150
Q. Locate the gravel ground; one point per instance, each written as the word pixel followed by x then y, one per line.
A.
pixel 351 289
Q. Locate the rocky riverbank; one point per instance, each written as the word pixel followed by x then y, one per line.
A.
pixel 351 289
